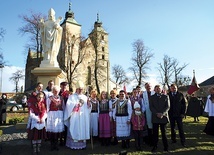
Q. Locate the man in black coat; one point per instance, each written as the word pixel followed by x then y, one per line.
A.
pixel 176 113
pixel 159 106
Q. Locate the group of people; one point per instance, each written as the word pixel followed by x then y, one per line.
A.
pixel 46 115
pixel 59 115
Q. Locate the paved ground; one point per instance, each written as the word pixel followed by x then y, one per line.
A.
pixel 14 142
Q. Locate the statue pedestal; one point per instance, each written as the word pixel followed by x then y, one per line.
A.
pixel 48 63
pixel 45 74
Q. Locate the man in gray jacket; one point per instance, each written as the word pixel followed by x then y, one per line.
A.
pixel 159 106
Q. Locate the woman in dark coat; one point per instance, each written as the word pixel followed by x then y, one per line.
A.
pixel 195 107
pixel 3 103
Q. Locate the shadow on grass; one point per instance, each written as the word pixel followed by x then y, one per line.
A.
pixel 198 143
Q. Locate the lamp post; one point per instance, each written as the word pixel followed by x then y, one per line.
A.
pixel 1 68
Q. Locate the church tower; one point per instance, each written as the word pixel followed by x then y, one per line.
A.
pixel 99 39
pixel 94 68
pixel 70 38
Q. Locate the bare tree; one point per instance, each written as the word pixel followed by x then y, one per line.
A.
pixel 183 80
pixel 2 61
pixel 140 60
pixel 2 33
pixel 119 74
pixel 169 67
pixel 166 70
pixel 32 28
pixel 96 62
pixel 74 56
pixel 2 65
pixel 16 77
pixel 101 63
pixel 178 70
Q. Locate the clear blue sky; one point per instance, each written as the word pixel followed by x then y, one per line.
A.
pixel 183 29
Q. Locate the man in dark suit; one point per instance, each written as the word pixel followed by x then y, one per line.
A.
pixel 176 113
pixel 159 106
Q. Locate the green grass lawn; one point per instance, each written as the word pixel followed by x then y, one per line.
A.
pixel 198 143
pixel 12 115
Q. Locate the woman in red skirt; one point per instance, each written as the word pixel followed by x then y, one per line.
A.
pixel 37 115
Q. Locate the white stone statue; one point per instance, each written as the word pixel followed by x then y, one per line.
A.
pixel 51 33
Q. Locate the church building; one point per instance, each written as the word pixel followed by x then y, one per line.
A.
pixel 85 59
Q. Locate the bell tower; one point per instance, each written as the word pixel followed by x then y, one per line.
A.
pixel 99 38
pixel 70 38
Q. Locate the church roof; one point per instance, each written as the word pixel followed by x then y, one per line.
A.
pixel 207 82
pixel 98 26
pixel 69 17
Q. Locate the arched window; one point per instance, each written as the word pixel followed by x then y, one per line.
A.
pixel 103 37
pixel 103 56
pixel 89 76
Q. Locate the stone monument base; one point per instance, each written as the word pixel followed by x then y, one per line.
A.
pixel 48 63
pixel 45 74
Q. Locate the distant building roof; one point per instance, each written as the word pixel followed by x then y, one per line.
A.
pixel 207 82
pixel 183 88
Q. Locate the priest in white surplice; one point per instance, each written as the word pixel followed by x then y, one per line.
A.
pixel 76 118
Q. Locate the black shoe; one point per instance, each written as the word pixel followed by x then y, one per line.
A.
pixel 127 145
pixel 123 144
pixel 154 149
pixel 138 148
pixel 114 143
pixel 183 144
pixel 165 150
pixel 62 144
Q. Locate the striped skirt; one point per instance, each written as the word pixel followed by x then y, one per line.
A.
pixel 104 126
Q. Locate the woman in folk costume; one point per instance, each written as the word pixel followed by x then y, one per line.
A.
pixel 209 108
pixel 135 98
pixel 138 123
pixel 32 98
pixel 104 119
pixel 64 94
pixel 77 118
pixel 37 115
pixel 55 122
pixel 122 115
pixel 112 104
pixel 94 113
